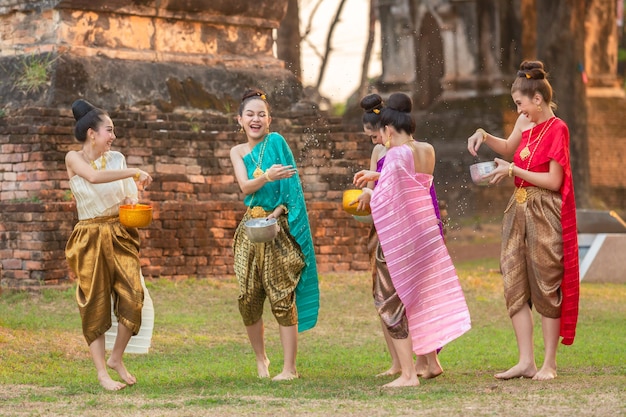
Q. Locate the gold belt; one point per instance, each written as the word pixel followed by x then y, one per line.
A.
pixel 257 212
pixel 523 194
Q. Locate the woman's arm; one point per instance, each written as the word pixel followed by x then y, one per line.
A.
pixel 76 165
pixel 505 147
pixel 247 186
pixel 551 180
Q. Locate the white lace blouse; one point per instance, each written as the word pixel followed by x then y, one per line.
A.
pixel 97 200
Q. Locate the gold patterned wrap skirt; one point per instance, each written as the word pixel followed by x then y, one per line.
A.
pixel 531 258
pixel 270 269
pixel 389 306
pixel 104 256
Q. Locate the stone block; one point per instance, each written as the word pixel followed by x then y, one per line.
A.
pixel 602 257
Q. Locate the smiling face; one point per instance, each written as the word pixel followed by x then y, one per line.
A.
pixel 528 106
pixel 255 119
pixel 102 137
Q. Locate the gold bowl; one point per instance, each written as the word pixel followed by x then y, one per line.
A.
pixel 135 215
pixel 348 197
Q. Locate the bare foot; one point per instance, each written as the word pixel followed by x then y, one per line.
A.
pixel 263 368
pixel 434 369
pixel 109 384
pixel 545 374
pixel 122 371
pixel 403 381
pixel 518 371
pixel 432 374
pixel 421 365
pixel 286 376
pixel 389 372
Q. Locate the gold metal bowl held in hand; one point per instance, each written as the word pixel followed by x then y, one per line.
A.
pixel 348 197
pixel 135 215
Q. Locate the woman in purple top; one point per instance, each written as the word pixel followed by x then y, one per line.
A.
pixel 386 300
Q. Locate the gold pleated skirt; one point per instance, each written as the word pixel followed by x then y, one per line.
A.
pixel 267 270
pixel 104 256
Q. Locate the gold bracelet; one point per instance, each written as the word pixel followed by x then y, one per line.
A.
pixel 267 176
pixel 137 175
pixel 511 166
pixel 482 132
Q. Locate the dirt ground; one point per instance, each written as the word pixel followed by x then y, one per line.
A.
pixel 469 243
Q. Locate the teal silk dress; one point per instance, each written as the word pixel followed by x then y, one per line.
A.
pixel 288 192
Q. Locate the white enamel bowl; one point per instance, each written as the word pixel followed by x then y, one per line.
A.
pixel 477 171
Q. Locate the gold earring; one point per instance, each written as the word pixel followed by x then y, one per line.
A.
pixel 241 129
pixel 539 109
pixel 267 130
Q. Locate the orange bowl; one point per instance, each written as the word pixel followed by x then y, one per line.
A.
pixel 135 215
pixel 350 196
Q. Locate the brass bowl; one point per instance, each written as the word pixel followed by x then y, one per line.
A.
pixel 350 196
pixel 261 230
pixel 135 215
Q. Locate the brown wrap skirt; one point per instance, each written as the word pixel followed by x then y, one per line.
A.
pixel 389 306
pixel 531 258
pixel 104 256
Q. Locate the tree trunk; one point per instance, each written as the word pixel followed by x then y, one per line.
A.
pixel 560 45
pixel 329 47
pixel 364 83
pixel 288 39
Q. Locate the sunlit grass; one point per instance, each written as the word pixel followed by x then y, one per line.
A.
pixel 201 362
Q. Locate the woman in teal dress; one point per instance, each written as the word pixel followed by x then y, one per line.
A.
pixel 284 269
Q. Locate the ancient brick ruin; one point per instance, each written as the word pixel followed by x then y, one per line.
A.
pixel 170 73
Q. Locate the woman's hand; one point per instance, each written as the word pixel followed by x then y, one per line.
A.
pixel 280 172
pixel 474 141
pixel 500 172
pixel 144 179
pixel 130 200
pixel 362 177
pixel 363 199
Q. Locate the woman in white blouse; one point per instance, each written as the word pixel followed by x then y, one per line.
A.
pixel 103 254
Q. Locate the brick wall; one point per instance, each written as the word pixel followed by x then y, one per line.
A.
pixel 197 203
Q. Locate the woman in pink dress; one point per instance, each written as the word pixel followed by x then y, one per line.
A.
pixel 420 269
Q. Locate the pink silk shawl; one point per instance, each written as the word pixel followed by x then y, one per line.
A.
pixel 419 264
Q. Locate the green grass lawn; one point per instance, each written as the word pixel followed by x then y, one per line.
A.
pixel 201 363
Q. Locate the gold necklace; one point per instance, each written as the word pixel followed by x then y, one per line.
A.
pixel 525 153
pixel 92 162
pixel 258 171
pixel 521 194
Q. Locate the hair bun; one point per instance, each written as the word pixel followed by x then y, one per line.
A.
pixel 532 70
pixel 371 103
pixel 252 93
pixel 80 108
pixel 400 102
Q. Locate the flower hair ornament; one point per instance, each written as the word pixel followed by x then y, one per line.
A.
pixel 528 76
pixel 377 111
